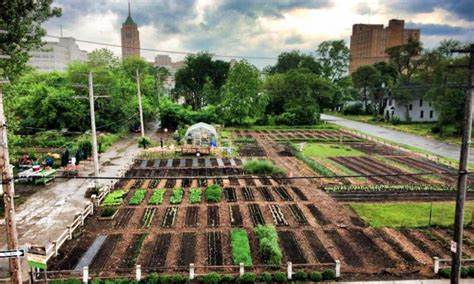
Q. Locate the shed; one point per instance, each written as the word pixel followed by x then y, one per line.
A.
pixel 201 134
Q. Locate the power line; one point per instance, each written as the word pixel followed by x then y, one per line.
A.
pixel 169 51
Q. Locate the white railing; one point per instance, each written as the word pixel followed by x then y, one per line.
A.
pixel 439 263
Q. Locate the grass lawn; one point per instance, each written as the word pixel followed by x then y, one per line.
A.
pixel 410 214
pixel 321 150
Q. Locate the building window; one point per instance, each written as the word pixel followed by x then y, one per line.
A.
pixel 421 102
pixel 422 114
pixel 431 114
pixel 410 107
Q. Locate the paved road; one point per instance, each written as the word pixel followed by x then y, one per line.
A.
pixel 436 147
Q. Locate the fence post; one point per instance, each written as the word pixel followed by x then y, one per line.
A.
pixel 92 208
pixel 138 272
pixel 55 244
pixel 82 218
pixel 241 269
pixel 85 274
pixel 290 270
pixel 338 269
pixel 69 232
pixel 191 271
pixel 436 264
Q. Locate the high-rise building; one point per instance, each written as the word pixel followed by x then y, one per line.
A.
pixel 369 42
pixel 130 37
pixel 56 55
pixel 162 60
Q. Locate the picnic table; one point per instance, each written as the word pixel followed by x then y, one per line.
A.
pixel 42 176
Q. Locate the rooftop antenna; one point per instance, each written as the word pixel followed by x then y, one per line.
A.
pixel 129 8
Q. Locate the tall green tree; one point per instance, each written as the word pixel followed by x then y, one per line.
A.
pixel 22 20
pixel 366 78
pixel 334 59
pixel 293 60
pixel 242 99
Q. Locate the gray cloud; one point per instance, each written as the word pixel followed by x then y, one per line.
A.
pixel 438 29
pixel 294 39
pixel 461 8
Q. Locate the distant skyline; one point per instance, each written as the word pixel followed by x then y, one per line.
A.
pixel 254 27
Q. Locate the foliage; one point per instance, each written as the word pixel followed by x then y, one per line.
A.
pixel 294 60
pixel 137 197
pixel 144 142
pixel 266 277
pixel 176 196
pixel 315 276
pixel 248 277
pixel 242 100
pixel 315 166
pixel 157 196
pixel 328 275
pixel 108 212
pixel 240 247
pixel 173 115
pixel 211 278
pixel 329 150
pixel 114 198
pixel 213 193
pixel 137 246
pixel 280 277
pixel 262 167
pixel 227 278
pixel 268 244
pixel 334 58
pixel 301 275
pixel 195 195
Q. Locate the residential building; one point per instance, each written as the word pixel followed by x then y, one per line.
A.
pixel 166 62
pixel 55 56
pixel 417 110
pixel 369 42
pixel 130 37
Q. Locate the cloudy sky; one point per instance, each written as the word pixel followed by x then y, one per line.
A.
pixel 254 27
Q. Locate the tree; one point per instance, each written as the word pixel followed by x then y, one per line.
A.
pixel 334 59
pixel 242 99
pixel 22 20
pixel 294 60
pixel 102 58
pixel 405 58
pixel 367 79
pixel 199 69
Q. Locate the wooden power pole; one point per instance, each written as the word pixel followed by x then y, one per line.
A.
pixel 139 93
pixel 8 196
pixel 95 153
pixel 456 246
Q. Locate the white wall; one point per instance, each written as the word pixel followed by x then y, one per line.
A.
pixel 396 110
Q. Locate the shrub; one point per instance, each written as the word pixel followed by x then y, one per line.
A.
pixel 315 276
pixel 114 198
pixel 263 167
pixel 195 195
pixel 354 109
pixel 108 212
pixel 280 276
pixel 178 278
pixel 247 278
pixel 240 247
pixel 165 279
pixel 464 272
pixel 301 275
pixel 227 278
pixel 213 193
pixel 328 274
pixel 470 271
pixel 211 278
pixel 177 196
pixel 144 142
pixel 266 277
pixel 445 272
pixel 137 197
pixel 152 278
pixel 268 244
pixel 157 196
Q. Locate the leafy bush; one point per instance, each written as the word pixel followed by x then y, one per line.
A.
pixel 301 275
pixel 315 276
pixel 266 277
pixel 268 244
pixel 152 278
pixel 165 279
pixel 178 278
pixel 195 195
pixel 137 197
pixel 263 167
pixel 354 109
pixel 211 278
pixel 144 142
pixel 470 271
pixel 328 274
pixel 227 278
pixel 213 193
pixel 177 196
pixel 157 196
pixel 240 247
pixel 464 272
pixel 114 198
pixel 280 276
pixel 247 278
pixel 445 272
pixel 108 212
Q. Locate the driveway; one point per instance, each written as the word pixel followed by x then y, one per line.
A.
pixel 431 145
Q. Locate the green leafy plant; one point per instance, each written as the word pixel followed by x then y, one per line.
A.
pixel 280 277
pixel 328 274
pixel 114 198
pixel 240 247
pixel 266 277
pixel 213 193
pixel 137 197
pixel 445 272
pixel 227 278
pixel 262 167
pixel 195 195
pixel 177 196
pixel 315 276
pixel 247 278
pixel 211 278
pixel 144 142
pixel 178 278
pixel 301 275
pixel 157 196
pixel 268 244
pixel 108 212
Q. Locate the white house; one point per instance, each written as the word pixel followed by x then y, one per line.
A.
pixel 418 110
pixel 55 56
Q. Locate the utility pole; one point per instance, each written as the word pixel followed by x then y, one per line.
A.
pixel 95 154
pixel 456 245
pixel 139 93
pixel 8 196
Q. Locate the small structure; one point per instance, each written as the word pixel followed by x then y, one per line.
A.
pixel 416 110
pixel 201 135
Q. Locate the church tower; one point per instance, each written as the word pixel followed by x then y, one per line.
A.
pixel 130 37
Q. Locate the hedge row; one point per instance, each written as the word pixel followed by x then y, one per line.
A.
pixel 466 272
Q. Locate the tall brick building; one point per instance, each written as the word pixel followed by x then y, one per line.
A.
pixel 369 42
pixel 130 37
